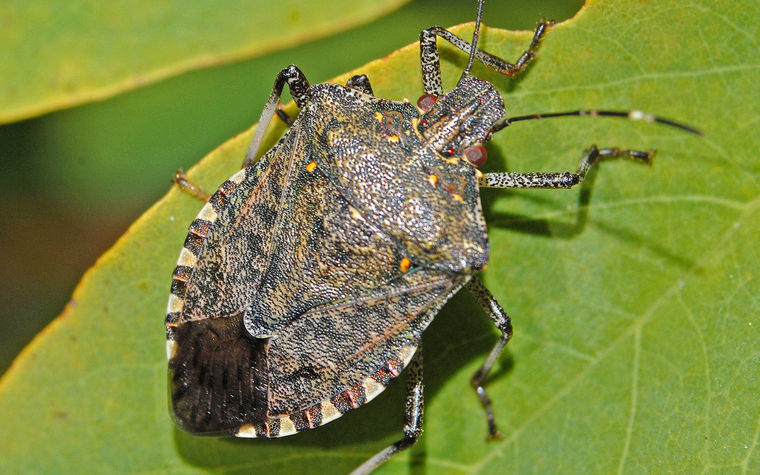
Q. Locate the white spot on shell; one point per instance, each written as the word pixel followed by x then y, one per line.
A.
pixel 187 258
pixel 207 213
pixel 238 177
pixel 171 349
pixel 372 388
pixel 329 412
pixel 247 431
pixel 286 427
pixel 406 354
pixel 175 304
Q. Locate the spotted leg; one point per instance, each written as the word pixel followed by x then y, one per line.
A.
pixel 430 58
pixel 504 324
pixel 562 179
pixel 181 180
pixel 299 89
pixel 283 116
pixel 412 417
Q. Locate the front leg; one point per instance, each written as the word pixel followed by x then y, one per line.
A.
pixel 502 321
pixel 299 90
pixel 431 64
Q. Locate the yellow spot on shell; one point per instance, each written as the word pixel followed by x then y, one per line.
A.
pixel 311 166
pixel 393 138
pixel 433 179
pixel 379 117
pixel 405 264
pixel 457 197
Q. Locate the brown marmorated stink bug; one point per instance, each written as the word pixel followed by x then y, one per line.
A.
pixel 307 279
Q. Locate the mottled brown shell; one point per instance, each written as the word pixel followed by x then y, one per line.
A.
pixel 306 281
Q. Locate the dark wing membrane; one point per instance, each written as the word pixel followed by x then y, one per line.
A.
pixel 328 350
pixel 216 370
pixel 217 376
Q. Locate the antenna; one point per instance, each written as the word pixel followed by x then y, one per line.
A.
pixel 630 115
pixel 474 44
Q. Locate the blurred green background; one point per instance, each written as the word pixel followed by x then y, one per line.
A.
pixel 74 180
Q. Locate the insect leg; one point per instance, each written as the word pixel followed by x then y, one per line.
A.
pixel 504 324
pixel 412 417
pixel 284 117
pixel 181 180
pixel 561 179
pixel 360 82
pixel 299 89
pixel 430 59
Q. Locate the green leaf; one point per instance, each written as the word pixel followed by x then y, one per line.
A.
pixel 64 53
pixel 636 343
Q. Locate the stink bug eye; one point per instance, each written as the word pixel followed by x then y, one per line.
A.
pixel 426 102
pixel 307 279
pixel 476 155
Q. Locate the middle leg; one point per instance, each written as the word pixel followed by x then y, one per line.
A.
pixel 504 324
pixel 562 179
pixel 412 417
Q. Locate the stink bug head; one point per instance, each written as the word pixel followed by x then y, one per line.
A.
pixel 461 118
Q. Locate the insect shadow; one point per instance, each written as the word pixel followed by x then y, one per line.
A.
pixel 565 229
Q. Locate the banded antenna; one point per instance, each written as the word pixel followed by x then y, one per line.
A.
pixel 474 44
pixel 636 115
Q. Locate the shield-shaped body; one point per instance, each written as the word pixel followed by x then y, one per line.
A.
pixel 307 279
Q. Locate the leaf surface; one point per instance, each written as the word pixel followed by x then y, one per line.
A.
pixel 64 53
pixel 636 343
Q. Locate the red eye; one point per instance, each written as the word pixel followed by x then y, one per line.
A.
pixel 427 101
pixel 476 155
pixel 449 151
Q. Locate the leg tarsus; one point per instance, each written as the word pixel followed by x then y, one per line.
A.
pixel 502 321
pixel 530 53
pixel 594 155
pixel 412 417
pixel 181 180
